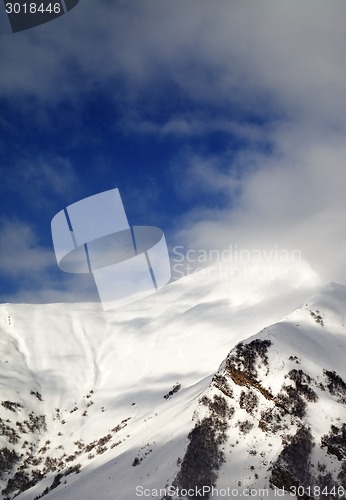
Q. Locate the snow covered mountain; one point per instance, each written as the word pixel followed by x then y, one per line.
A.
pixel 274 414
pixel 129 403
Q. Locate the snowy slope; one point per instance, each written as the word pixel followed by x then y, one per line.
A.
pixel 277 407
pixel 83 390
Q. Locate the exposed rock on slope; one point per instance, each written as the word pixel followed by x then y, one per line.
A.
pixel 128 402
pixel 274 414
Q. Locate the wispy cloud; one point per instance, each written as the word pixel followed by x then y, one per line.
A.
pixel 24 260
pixel 292 198
pixel 189 125
pixel 286 58
pixel 20 251
pixel 45 179
pixel 269 76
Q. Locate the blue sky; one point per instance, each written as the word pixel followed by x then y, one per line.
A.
pixel 220 123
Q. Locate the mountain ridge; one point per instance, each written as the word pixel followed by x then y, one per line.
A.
pixel 134 410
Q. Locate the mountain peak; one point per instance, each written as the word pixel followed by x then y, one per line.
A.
pixel 128 398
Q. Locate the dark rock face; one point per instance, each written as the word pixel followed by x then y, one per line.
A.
pixel 291 469
pixel 336 386
pixel 240 414
pixel 203 456
pixel 335 441
pixel 7 460
pixel 245 357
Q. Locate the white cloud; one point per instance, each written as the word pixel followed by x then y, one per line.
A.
pixel 20 251
pixel 71 289
pixel 33 268
pixel 44 180
pixel 293 198
pixel 280 63
pixel 286 57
